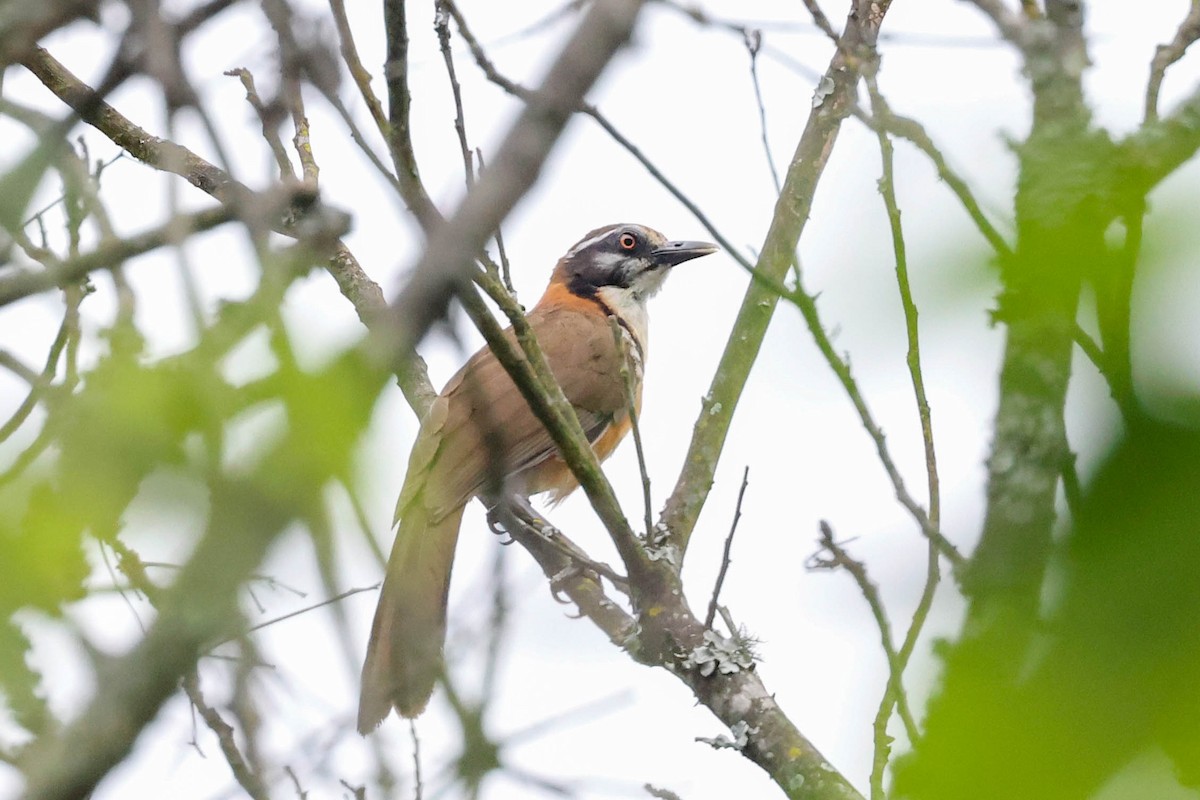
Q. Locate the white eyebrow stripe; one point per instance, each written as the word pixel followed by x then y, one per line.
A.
pixel 589 242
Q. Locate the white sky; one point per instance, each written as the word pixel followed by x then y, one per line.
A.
pixel 682 93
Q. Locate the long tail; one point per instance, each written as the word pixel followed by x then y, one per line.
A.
pixel 404 654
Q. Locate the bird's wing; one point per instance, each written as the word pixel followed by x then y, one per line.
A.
pixel 481 421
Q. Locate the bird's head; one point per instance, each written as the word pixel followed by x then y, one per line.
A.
pixel 631 261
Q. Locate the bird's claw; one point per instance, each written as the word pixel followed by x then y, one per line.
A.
pixel 559 580
pixel 495 524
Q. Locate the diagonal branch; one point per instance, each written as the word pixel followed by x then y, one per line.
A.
pixel 109 255
pixel 449 258
pixel 777 253
pixel 399 129
pixel 1167 54
pixel 168 156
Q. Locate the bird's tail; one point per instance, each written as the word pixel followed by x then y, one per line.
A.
pixel 404 654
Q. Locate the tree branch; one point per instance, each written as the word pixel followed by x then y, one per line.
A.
pixel 776 255
pixel 448 259
pixel 1167 54
pixel 164 155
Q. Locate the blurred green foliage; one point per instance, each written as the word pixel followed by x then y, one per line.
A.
pixel 1112 672
pixel 128 419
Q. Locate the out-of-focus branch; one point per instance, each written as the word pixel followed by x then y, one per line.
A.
pixel 362 78
pixel 513 88
pixel 131 688
pixel 1012 25
pixel 395 70
pixel 22 24
pixel 1158 148
pixel 167 156
pixel 1167 54
pixel 450 255
pixel 242 772
pixel 158 153
pixel 109 255
pixel 441 25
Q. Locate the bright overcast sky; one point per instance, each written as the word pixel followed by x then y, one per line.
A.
pixel 682 93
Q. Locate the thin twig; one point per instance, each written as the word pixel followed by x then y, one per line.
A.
pixel 807 304
pixel 362 78
pixel 505 268
pixel 1167 54
pixel 447 262
pixel 242 773
pixel 418 787
pixel 497 624
pixel 352 280
pixel 274 620
pixel 1091 348
pixel 776 257
pixel 30 402
pixel 291 773
pixel 894 691
pixel 493 74
pixel 838 557
pixel 725 560
pixel 18 368
pixel 822 21
pixel 441 25
pixel 399 129
pixel 108 254
pixel 914 132
pixel 632 402
pixel 268 118
pixel 753 41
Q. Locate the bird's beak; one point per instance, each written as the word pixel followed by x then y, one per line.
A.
pixel 672 253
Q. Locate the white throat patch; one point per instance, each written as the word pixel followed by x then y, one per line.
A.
pixel 630 307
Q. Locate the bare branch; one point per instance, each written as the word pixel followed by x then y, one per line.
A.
pixel 725 559
pixel 838 557
pixel 167 156
pixel 753 44
pixel 268 118
pixel 1012 26
pixel 441 24
pixel 894 692
pixel 362 78
pixel 212 718
pixel 399 129
pixel 1167 54
pixel 23 24
pixel 446 264
pixel 108 255
pixel 631 405
pixel 907 128
pixel 1158 148
pixel 791 213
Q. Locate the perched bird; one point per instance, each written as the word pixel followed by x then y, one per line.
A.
pixel 481 428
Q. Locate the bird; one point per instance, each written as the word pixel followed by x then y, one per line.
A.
pixel 481 428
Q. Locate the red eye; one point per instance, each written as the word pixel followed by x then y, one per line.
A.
pixel 627 241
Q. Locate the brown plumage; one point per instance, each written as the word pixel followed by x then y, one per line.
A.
pixel 480 428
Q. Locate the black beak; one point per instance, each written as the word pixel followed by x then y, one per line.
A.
pixel 672 253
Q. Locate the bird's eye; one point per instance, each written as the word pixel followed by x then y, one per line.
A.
pixel 627 241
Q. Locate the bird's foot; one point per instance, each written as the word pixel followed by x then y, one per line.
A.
pixel 517 510
pixel 496 523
